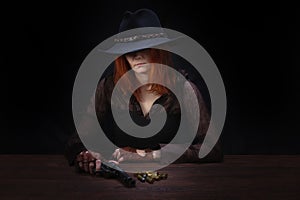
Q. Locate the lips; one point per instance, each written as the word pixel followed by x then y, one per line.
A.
pixel 139 64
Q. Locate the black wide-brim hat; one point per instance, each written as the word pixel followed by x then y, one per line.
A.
pixel 138 30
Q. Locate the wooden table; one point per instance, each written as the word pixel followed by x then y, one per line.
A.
pixel 238 177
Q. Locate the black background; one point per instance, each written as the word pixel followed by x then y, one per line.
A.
pixel 255 47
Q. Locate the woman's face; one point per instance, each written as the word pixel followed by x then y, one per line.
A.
pixel 139 61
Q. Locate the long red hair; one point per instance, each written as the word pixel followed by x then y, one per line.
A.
pixel 157 56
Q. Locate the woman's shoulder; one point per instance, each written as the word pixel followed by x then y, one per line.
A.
pixel 106 83
pixel 191 87
pixel 185 84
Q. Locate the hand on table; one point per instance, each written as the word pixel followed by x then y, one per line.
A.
pixel 89 161
pixel 131 154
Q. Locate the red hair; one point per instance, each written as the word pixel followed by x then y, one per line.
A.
pixel 157 56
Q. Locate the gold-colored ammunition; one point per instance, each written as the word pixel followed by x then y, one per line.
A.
pixel 149 179
pixel 155 176
pixel 141 178
pixel 164 176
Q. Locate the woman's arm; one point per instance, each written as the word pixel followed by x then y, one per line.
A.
pixel 192 153
pixel 74 144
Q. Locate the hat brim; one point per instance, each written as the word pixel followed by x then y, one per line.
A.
pixel 126 47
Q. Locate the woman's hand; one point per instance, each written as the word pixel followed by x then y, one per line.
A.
pixel 86 161
pixel 89 161
pixel 131 155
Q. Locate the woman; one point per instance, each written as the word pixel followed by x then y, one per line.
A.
pixel 142 102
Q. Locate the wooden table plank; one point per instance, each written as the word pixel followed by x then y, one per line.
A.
pixel 238 177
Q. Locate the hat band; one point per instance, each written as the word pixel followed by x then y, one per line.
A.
pixel 140 37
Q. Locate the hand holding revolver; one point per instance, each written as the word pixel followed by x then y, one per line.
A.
pixel 89 161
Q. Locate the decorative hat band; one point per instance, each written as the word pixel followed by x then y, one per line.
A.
pixel 140 37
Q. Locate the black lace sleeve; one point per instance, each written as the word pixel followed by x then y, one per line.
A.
pixel 74 145
pixel 191 154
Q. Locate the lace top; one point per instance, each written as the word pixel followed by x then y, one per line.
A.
pixel 101 103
